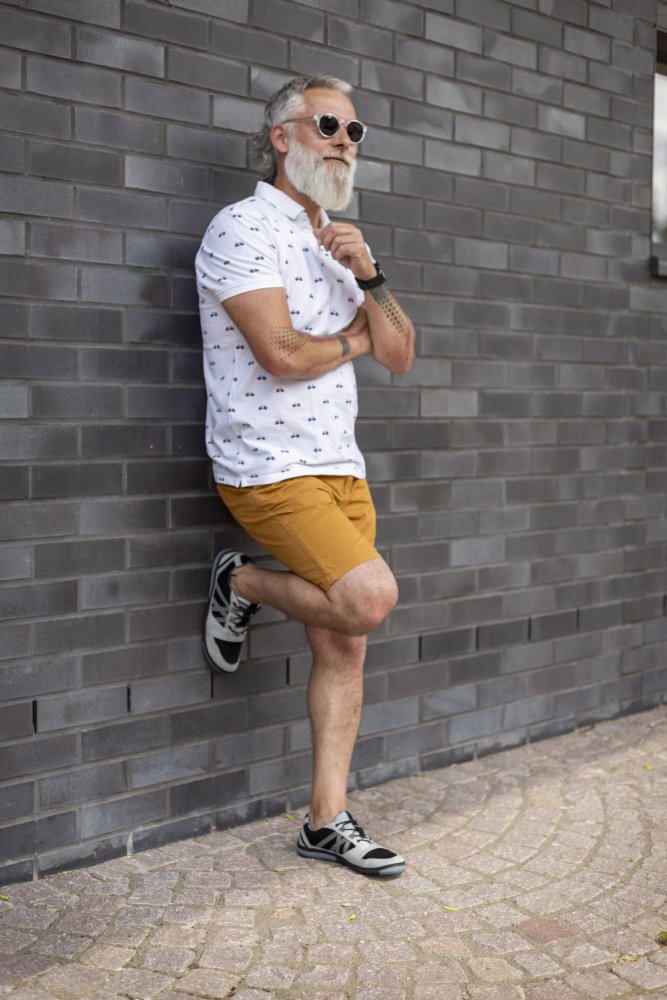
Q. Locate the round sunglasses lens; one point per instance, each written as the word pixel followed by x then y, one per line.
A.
pixel 328 125
pixel 355 130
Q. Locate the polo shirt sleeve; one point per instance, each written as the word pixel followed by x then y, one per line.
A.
pixel 237 255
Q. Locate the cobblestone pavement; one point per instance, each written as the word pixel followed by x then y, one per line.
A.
pixel 539 873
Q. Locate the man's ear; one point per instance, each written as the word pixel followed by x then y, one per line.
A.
pixel 280 138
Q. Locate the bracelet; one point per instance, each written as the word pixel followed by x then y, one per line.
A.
pixel 344 343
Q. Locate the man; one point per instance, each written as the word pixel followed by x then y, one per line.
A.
pixel 288 299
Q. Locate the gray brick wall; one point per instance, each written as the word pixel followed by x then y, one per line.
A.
pixel 519 470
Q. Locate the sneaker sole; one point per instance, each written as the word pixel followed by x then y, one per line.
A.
pixel 318 855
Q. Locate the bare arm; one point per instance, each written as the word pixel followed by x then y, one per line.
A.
pixel 263 318
pixel 392 333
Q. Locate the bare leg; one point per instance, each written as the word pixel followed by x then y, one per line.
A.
pixel 354 605
pixel 335 695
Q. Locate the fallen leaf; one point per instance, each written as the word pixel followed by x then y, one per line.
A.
pixel 352 916
pixel 280 869
pixel 4 898
pixel 662 937
pixel 451 907
pixel 290 816
pixel 648 767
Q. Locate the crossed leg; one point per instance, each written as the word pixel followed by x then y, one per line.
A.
pixel 355 605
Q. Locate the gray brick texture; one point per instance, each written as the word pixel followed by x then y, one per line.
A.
pixel 519 470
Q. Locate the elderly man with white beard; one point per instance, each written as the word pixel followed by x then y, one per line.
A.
pixel 288 299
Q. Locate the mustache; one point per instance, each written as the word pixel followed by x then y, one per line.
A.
pixel 341 157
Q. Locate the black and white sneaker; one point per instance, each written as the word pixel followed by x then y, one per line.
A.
pixel 227 615
pixel 344 841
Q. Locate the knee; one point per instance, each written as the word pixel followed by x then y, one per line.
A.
pixel 371 607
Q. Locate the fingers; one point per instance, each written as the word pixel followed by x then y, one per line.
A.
pixel 346 244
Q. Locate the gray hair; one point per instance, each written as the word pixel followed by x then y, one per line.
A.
pixel 285 103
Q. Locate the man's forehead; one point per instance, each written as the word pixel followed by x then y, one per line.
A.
pixel 319 100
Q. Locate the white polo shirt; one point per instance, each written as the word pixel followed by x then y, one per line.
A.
pixel 259 428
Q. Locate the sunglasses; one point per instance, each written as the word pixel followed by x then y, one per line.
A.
pixel 328 125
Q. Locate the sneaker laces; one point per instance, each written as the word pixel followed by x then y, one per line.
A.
pixel 350 826
pixel 239 617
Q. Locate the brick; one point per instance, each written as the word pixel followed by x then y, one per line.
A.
pixel 121 739
pixel 108 441
pixel 389 715
pixel 209 72
pixel 111 590
pixel 14 401
pixel 123 288
pixel 37 280
pixel 12 237
pixel 16 643
pixel 35 116
pixel 74 243
pixel 171 692
pixel 16 563
pixel 16 722
pixel 36 34
pixel 474 725
pixel 118 52
pixel 367 41
pixel 173 548
pixel 38 755
pixel 167 477
pixel 250 45
pixel 193 797
pixel 175 402
pixel 161 101
pixel 37 600
pixel 76 481
pixel 400 17
pixel 76 709
pixel 122 813
pixel 26 838
pixel 82 785
pixel 117 130
pixel 167 25
pixel 121 209
pixel 77 401
pixel 54 322
pixel 170 765
pixel 73 82
pixel 248 747
pixel 12 159
pixel 10 70
pixel 73 633
pixel 73 163
pixel 17 800
pixel 288 773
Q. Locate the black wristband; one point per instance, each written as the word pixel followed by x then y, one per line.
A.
pixel 379 279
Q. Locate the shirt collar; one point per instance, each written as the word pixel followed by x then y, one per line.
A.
pixel 292 209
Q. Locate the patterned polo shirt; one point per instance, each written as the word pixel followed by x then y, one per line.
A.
pixel 260 428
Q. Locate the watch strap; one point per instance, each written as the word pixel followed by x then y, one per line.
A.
pixel 379 279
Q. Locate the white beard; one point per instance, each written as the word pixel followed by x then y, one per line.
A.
pixel 328 183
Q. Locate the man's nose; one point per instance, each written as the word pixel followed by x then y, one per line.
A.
pixel 341 137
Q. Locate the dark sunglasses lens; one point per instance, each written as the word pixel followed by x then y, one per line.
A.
pixel 328 125
pixel 355 130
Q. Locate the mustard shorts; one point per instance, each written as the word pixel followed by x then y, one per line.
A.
pixel 320 527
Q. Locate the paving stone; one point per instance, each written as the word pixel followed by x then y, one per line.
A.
pixel 537 874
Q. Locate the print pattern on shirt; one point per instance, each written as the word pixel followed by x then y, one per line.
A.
pixel 261 428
